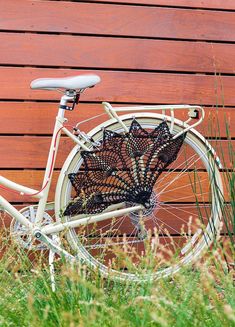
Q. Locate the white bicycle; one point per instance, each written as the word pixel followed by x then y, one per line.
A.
pixel 138 197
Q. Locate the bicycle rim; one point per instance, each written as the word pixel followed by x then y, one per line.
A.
pixel 181 222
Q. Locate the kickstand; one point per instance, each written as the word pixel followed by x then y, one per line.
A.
pixel 56 239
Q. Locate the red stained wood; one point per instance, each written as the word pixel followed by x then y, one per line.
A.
pixel 120 53
pixel 141 49
pixel 174 219
pixel 29 178
pixel 34 178
pixel 38 118
pixel 126 87
pixel 207 4
pixel 117 20
pixel 32 152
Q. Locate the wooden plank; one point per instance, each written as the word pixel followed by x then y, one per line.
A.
pixel 100 19
pixel 34 178
pixel 32 151
pixel 203 4
pixel 120 53
pixel 126 87
pixel 38 118
pixel 29 178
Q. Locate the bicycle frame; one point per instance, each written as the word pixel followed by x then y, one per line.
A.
pixel 42 195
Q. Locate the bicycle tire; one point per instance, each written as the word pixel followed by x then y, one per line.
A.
pixel 195 241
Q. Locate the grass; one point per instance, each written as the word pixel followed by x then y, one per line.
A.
pixel 202 295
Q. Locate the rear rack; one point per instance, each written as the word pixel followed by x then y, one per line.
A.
pixel 167 111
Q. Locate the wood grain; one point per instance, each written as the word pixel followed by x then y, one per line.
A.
pixel 206 4
pixel 29 178
pixel 126 87
pixel 38 118
pixel 34 178
pixel 120 53
pixel 32 152
pixel 146 52
pixel 119 20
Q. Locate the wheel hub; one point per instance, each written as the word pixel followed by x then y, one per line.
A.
pixel 150 205
pixel 138 217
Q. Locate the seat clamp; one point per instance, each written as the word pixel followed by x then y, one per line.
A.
pixel 66 107
pixel 75 101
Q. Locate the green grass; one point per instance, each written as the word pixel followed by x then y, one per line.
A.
pixel 202 295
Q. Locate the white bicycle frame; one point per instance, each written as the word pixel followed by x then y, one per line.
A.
pixel 116 210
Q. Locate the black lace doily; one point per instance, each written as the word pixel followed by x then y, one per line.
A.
pixel 124 168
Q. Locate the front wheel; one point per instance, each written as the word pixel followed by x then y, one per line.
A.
pixel 181 203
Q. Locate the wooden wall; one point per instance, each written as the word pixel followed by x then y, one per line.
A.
pixel 146 52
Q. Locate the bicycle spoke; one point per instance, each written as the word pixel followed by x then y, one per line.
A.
pixel 188 212
pixel 177 167
pixel 182 186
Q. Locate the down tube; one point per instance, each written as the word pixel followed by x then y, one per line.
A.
pixel 15 213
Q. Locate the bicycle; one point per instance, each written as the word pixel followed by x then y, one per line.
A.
pixel 138 197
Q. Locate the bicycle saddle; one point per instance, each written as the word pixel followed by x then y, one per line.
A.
pixel 69 83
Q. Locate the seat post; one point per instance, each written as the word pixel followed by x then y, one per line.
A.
pixel 70 95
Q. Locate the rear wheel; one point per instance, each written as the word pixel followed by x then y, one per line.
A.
pixel 179 221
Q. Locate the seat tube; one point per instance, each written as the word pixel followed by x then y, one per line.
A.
pixel 52 157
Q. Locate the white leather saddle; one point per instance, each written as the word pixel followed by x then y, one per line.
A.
pixel 78 82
